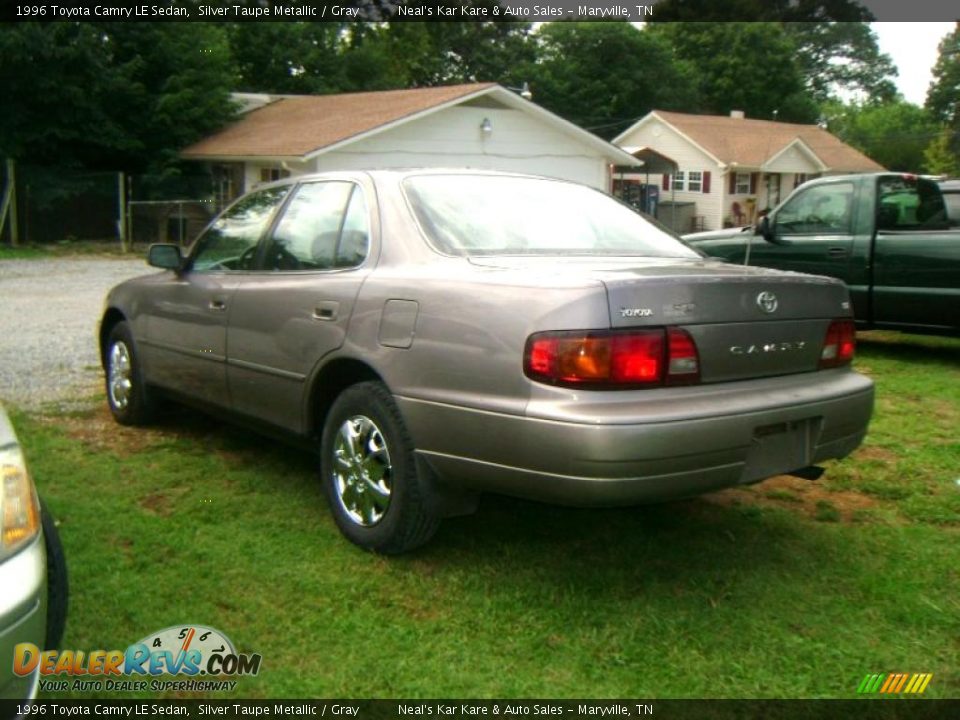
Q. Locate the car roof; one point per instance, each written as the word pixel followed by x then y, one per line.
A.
pixel 395 173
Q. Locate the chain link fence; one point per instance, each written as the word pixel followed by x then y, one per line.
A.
pixel 60 205
pixel 175 221
pixel 52 205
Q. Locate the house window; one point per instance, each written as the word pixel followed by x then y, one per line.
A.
pixel 678 181
pixel 269 174
pixel 695 181
pixel 742 186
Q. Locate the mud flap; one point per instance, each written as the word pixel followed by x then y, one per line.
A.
pixel 442 499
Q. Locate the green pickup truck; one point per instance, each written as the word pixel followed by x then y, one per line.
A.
pixel 888 236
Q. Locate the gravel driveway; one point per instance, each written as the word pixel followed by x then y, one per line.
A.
pixel 49 314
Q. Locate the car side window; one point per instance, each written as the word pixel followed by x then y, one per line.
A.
pixel 309 233
pixel 909 203
pixel 231 242
pixel 819 210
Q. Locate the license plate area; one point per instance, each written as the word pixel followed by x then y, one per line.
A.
pixel 780 447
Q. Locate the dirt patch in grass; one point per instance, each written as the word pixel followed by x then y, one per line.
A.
pixel 161 503
pixel 874 452
pixel 803 496
pixel 99 431
pixel 96 429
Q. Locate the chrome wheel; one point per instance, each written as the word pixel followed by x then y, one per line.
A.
pixel 120 377
pixel 362 471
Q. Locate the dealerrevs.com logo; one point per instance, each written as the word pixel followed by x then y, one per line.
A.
pixel 203 654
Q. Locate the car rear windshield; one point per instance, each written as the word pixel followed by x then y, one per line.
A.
pixel 495 215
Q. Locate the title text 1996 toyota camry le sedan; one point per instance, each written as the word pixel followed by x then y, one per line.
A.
pixel 436 334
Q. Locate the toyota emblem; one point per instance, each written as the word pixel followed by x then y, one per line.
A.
pixel 767 302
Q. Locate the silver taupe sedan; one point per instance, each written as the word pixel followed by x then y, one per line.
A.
pixel 437 334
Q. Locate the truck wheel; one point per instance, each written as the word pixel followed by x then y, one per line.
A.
pixel 127 394
pixel 369 474
pixel 57 584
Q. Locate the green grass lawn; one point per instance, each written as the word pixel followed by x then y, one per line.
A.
pixel 785 589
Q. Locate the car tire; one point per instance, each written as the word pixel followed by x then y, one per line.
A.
pixel 370 475
pixel 57 583
pixel 127 394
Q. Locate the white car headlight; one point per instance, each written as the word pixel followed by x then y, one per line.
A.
pixel 19 504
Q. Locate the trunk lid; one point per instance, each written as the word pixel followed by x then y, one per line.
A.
pixel 747 322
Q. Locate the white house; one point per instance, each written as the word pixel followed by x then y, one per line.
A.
pixel 475 125
pixel 731 168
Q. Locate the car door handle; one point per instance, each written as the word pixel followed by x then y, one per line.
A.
pixel 837 252
pixel 218 305
pixel 327 310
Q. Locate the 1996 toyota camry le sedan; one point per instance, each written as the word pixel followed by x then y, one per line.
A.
pixel 437 334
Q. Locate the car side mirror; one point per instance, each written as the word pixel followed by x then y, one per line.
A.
pixel 763 228
pixel 766 229
pixel 165 256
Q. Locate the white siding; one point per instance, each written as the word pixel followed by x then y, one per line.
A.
pixel 452 138
pixel 793 160
pixel 666 141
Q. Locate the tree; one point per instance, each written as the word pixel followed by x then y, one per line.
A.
pixel 842 58
pixel 285 57
pixel 170 86
pixel 443 53
pixel 940 157
pixel 943 99
pixel 895 134
pixel 836 48
pixel 732 62
pixel 605 75
pixel 111 96
pixel 762 11
pixel 318 58
pixel 56 76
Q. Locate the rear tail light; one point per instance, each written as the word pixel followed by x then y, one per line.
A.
pixel 602 359
pixel 839 344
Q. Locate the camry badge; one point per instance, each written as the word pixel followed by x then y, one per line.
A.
pixel 767 302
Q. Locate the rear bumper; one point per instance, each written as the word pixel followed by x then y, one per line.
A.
pixel 645 446
pixel 23 613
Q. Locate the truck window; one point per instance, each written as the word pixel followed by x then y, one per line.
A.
pixel 818 210
pixel 909 203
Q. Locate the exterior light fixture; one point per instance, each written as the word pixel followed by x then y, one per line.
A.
pixel 523 91
pixel 486 127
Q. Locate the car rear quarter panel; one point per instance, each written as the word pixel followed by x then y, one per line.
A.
pixel 469 331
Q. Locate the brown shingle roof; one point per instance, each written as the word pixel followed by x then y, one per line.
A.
pixel 296 125
pixel 750 143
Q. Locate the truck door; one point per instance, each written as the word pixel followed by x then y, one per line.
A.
pixel 916 256
pixel 812 232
